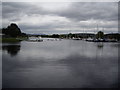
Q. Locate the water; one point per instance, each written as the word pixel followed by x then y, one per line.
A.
pixel 60 64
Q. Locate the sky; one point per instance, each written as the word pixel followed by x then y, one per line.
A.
pixel 61 17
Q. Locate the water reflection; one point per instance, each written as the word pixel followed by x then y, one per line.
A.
pixel 11 49
pixel 91 72
pixel 100 45
pixel 73 71
pixel 64 64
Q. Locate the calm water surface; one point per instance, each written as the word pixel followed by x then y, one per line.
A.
pixel 60 64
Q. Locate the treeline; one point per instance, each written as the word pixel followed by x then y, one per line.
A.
pixel 12 31
pixel 100 34
pixel 46 36
pixel 70 35
pixel 113 36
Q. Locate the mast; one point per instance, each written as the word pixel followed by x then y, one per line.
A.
pixel 97 28
pixel 103 30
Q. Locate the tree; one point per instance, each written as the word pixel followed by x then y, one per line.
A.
pixel 100 35
pixel 55 36
pixel 13 30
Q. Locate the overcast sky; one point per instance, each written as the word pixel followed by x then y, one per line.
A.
pixel 61 17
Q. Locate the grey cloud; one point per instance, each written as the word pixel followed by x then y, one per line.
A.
pixel 18 9
pixel 84 11
pixel 77 11
pixel 36 27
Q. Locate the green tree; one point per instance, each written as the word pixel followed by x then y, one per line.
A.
pixel 100 34
pixel 13 30
pixel 55 36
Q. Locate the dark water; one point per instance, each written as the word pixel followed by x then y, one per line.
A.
pixel 60 64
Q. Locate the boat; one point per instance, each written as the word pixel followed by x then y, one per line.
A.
pixel 101 40
pixel 35 39
pixel 89 39
pixel 76 39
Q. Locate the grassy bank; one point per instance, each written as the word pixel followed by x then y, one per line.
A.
pixel 10 40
